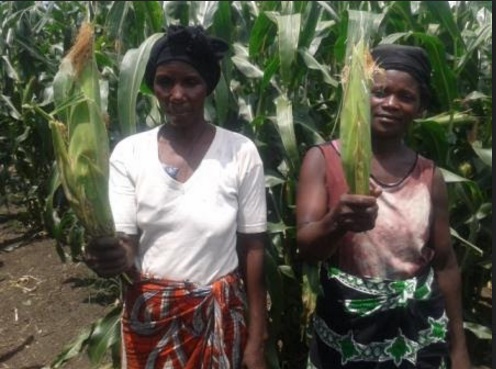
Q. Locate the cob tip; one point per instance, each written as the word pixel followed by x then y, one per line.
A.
pixel 82 50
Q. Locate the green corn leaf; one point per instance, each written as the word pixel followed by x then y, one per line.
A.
pixel 116 18
pixel 480 331
pixel 154 15
pixel 106 332
pixel 288 35
pixel 72 350
pixel 312 63
pixel 130 76
pixel 285 124
pixel 486 155
pixel 203 12
pixel 466 242
pixel 450 177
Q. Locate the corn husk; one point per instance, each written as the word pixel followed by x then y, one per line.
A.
pixel 80 136
pixel 357 77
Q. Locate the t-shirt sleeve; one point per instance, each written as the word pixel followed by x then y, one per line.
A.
pixel 252 211
pixel 122 189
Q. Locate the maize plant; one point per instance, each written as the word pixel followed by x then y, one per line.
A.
pixel 80 136
pixel 354 126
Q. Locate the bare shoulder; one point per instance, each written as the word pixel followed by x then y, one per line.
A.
pixel 439 188
pixel 313 158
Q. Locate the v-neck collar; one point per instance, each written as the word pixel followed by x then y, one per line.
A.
pixel 175 183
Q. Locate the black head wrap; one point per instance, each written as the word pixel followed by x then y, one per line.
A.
pixel 189 44
pixel 410 59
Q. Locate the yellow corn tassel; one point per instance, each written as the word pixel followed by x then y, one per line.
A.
pixel 80 137
pixel 354 128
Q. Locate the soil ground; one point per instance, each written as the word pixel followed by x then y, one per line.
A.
pixel 45 303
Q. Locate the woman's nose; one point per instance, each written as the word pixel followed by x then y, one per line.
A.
pixel 177 92
pixel 391 101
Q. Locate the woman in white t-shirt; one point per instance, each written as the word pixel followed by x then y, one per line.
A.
pixel 185 197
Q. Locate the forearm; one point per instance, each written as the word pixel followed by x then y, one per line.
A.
pixel 449 280
pixel 319 240
pixel 256 293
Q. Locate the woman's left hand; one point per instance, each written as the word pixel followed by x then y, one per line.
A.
pixel 254 355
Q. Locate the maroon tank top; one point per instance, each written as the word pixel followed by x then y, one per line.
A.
pixel 397 246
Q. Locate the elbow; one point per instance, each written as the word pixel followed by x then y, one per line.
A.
pixel 307 251
pixel 304 254
pixel 303 245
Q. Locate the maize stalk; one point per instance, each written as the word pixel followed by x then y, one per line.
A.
pixel 357 77
pixel 80 137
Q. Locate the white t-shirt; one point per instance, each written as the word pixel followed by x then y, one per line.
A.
pixel 188 230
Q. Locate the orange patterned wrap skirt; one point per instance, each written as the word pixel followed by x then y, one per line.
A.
pixel 169 324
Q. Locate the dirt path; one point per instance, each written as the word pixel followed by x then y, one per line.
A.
pixel 44 303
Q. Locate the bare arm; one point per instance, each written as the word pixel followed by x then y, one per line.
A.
pixel 251 252
pixel 318 228
pixel 448 274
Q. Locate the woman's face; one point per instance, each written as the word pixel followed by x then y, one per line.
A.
pixel 181 91
pixel 395 103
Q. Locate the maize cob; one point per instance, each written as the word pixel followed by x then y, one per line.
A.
pixel 80 137
pixel 354 132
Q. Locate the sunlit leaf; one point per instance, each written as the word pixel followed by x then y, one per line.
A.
pixel 247 68
pixel 285 124
pixel 14 113
pixel 272 180
pixel 72 350
pixel 288 36
pixel 474 248
pixel 131 74
pixel 312 63
pixel 484 35
pixel 276 227
pixel 480 331
pixel 203 12
pixel 486 155
pixel 450 177
pixel 106 332
pixel 11 72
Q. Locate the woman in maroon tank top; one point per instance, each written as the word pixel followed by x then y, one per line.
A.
pixel 389 275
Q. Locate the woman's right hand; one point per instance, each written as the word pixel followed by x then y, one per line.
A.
pixel 111 256
pixel 357 213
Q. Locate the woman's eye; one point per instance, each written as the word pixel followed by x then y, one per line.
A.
pixel 164 82
pixel 378 92
pixel 191 82
pixel 407 97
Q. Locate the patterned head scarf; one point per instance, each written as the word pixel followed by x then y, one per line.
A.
pixel 189 44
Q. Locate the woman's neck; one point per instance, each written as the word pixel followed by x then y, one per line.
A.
pixel 184 132
pixel 388 146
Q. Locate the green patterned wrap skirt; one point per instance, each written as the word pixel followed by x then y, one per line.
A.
pixel 365 323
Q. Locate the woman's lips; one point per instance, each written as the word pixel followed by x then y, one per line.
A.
pixel 386 118
pixel 177 111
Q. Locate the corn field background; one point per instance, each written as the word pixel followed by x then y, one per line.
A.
pixel 280 87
